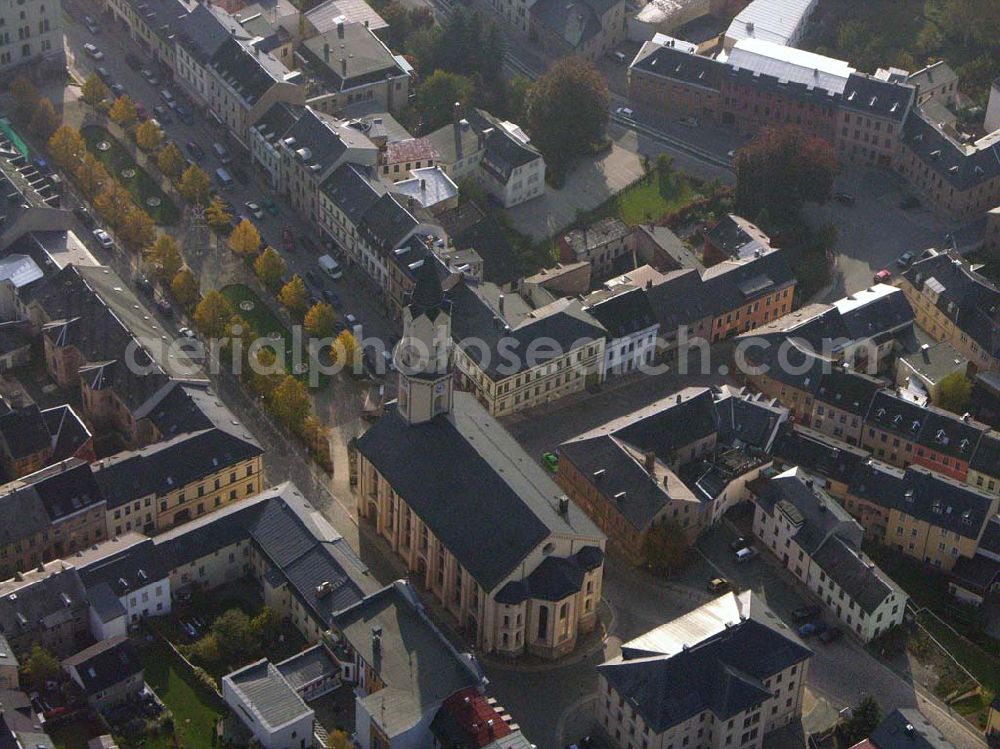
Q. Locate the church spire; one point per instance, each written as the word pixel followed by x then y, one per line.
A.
pixel 427 292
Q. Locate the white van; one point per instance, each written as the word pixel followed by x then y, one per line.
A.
pixel 331 266
pixel 223 178
pixel 221 153
pixel 745 555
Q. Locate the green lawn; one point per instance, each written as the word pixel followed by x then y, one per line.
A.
pixel 652 197
pixel 142 186
pixel 194 708
pixel 255 311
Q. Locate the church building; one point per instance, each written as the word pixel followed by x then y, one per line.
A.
pixel 480 524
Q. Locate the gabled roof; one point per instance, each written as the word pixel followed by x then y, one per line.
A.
pixel 962 167
pixel 24 431
pixel 386 223
pixel 105 664
pixel 250 73
pixel 202 31
pixel 276 121
pixel 624 314
pixel 735 236
pixel 41 601
pixel 676 64
pixel 848 391
pixel 352 191
pixel 574 21
pixel 817 453
pixel 860 579
pixel 870 96
pixel 320 141
pixel 492 508
pixel 908 729
pixel 987 455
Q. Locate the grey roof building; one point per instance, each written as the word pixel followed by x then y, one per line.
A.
pixel 907 729
pixel 109 672
pixel 261 697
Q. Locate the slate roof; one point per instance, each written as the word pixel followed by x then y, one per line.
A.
pixel 68 431
pixel 624 314
pixel 105 664
pixel 63 489
pixel 871 96
pixel 820 516
pixel 165 466
pixel 976 573
pixel 502 151
pixel 492 508
pixel 419 667
pixel 861 580
pixel 248 73
pixel 815 452
pixel 277 121
pixel 202 31
pixel 897 415
pixel 456 141
pixel 352 191
pixel 925 495
pixel 24 431
pixel 724 673
pixel 26 515
pixel 848 391
pixel 554 579
pixel 124 569
pixel 264 690
pixel 962 167
pixel 736 237
pixel 987 456
pixel 936 361
pixel 964 296
pixel 386 223
pixel 321 141
pixel 468 227
pixel 573 21
pixel 39 602
pixel 876 312
pixel 945 433
pixel 676 64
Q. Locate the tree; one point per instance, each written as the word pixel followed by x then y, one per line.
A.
pixel 782 169
pixel 93 91
pixel 212 314
pixel 266 625
pixel 165 257
pixel 290 403
pixel 91 176
pixel 185 288
pixel 44 120
pixel 864 718
pixel 148 136
pixel 345 349
pixel 293 295
pixel 217 215
pixel 320 320
pixel 567 111
pixel 170 160
pixel 194 185
pixel 137 229
pixel 955 393
pixel 338 740
pixel 67 147
pixel 39 666
pixel 244 239
pixel 269 267
pixel 437 96
pixel 25 98
pixel 113 204
pixel 235 636
pixel 666 547
pixel 207 650
pixel 123 111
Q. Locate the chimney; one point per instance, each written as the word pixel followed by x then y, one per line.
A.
pixel 500 303
pixel 649 461
pixel 678 398
pixel 343 67
pixel 456 111
pixel 326 53
pixel 376 640
pixel 340 29
pixel 423 184
pixel 366 23
pixel 564 505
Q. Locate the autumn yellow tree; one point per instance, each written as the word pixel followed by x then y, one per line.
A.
pixel 25 98
pixel 113 204
pixel 293 295
pixel 338 740
pixel 290 403
pixel 320 321
pixel 170 160
pixel 165 257
pixel 345 350
pixel 123 111
pixel 137 230
pixel 194 185
pixel 93 91
pixel 185 288
pixel 67 147
pixel 217 215
pixel 269 267
pixel 212 314
pixel 91 176
pixel 244 239
pixel 148 136
pixel 44 120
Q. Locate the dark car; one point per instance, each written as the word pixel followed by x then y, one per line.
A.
pixel 84 215
pixel 118 90
pixel 195 151
pixel 165 309
pixel 312 278
pixel 830 634
pixel 104 74
pixel 332 299
pixel 844 198
pixel 144 285
pixel 805 613
pixel 812 628
pixel 740 543
pixel 162 114
pixel 132 61
pixel 905 260
pixel 184 114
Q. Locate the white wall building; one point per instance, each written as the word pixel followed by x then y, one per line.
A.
pixel 269 707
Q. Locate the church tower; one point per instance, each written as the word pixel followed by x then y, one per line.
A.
pixel 423 355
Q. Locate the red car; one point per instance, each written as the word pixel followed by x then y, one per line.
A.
pixel 883 275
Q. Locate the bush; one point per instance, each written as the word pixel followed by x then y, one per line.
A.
pixel 205 678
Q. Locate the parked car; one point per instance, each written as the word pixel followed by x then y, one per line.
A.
pixel 718 585
pixel 132 61
pixel 195 151
pixel 905 260
pixel 165 309
pixel 118 90
pixel 739 543
pixel 186 332
pixel 255 210
pixel 812 628
pixel 168 96
pixel 104 74
pixel 551 461
pixel 745 555
pixel 830 634
pixel 144 285
pixel 390 361
pixel 150 77
pixel 91 25
pixel 624 112
pixel 882 276
pixel 184 114
pixel 93 52
pixel 104 239
pixel 844 198
pixel 331 298
pixel 162 114
pixel 83 214
pixel 804 613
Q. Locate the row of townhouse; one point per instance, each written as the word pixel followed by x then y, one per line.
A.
pixel 875 119
pixel 916 511
pixel 816 539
